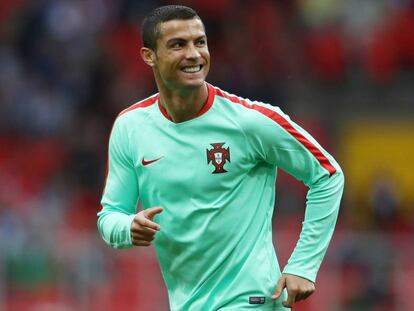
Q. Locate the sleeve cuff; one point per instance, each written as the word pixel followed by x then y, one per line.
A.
pixel 303 274
pixel 129 238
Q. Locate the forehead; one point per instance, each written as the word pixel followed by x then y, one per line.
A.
pixel 183 29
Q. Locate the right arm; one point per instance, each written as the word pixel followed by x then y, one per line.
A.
pixel 120 195
pixel 118 223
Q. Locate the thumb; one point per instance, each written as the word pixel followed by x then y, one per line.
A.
pixel 281 284
pixel 152 211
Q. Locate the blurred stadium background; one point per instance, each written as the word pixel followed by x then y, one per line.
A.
pixel 342 69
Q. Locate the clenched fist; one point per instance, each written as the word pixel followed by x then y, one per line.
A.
pixel 143 229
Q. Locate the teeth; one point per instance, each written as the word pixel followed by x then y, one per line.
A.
pixel 192 69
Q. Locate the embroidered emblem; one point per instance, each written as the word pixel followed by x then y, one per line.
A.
pixel 218 157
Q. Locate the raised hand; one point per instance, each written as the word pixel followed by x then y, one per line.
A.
pixel 143 229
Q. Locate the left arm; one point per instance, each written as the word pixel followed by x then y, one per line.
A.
pixel 284 143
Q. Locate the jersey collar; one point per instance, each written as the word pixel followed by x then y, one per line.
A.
pixel 207 105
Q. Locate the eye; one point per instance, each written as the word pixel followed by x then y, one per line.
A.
pixel 177 44
pixel 202 42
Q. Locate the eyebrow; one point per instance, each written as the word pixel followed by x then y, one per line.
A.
pixel 182 39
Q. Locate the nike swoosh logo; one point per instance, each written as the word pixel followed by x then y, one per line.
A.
pixel 145 163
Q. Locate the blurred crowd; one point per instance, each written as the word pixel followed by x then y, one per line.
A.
pixel 67 67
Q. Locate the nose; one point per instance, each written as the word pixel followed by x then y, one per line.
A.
pixel 192 51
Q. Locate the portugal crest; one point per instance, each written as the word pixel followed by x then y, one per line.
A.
pixel 218 157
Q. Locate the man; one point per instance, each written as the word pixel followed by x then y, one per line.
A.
pixel 203 164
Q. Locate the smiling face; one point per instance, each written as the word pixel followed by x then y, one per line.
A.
pixel 181 59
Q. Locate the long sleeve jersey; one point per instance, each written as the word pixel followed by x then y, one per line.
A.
pixel 215 175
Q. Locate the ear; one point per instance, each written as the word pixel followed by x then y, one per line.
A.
pixel 148 56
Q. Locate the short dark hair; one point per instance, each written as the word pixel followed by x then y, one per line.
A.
pixel 150 25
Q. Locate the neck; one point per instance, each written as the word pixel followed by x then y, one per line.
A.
pixel 183 105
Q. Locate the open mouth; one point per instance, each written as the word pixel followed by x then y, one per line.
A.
pixel 192 69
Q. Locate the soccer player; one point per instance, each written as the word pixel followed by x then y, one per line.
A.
pixel 203 164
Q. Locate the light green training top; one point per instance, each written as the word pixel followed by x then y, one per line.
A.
pixel 214 175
